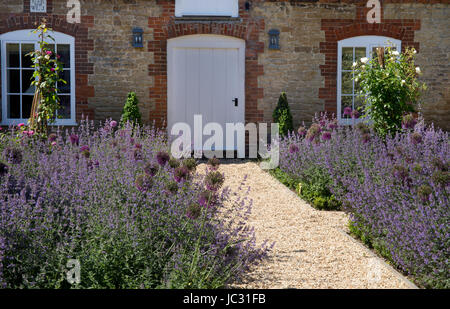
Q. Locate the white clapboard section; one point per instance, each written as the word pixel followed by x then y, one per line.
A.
pixel 206 73
pixel 206 8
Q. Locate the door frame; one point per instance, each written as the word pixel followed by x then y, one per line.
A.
pixel 203 41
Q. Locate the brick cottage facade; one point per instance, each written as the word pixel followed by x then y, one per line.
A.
pixel 314 35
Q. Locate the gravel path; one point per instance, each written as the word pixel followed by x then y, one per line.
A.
pixel 312 248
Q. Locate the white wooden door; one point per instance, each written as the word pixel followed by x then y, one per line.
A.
pixel 206 76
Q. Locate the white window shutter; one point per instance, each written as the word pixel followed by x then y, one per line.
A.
pixel 206 8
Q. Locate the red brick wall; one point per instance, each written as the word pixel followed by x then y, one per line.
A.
pixel 27 20
pixel 165 27
pixel 339 29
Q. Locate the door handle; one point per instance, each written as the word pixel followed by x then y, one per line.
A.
pixel 236 102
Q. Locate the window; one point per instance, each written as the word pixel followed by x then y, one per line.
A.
pixel 16 70
pixel 206 8
pixel 349 51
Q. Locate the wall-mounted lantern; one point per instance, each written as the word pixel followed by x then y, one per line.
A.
pixel 137 37
pixel 247 6
pixel 274 39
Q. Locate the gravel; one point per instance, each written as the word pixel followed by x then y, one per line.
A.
pixel 312 248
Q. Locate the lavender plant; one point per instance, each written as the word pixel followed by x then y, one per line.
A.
pixel 396 189
pixel 107 198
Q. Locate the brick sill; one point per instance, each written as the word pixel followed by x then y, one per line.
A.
pixel 207 19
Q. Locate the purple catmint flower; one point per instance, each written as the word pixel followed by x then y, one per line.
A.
pixel 3 169
pixel 293 148
pixel 74 139
pixel 326 136
pixel 13 155
pixel 162 158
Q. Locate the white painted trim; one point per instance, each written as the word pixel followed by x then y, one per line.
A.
pixel 206 8
pixel 368 41
pixel 206 41
pixel 26 36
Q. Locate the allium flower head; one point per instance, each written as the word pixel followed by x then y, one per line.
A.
pixel 326 136
pixel 441 178
pixel 143 182
pixel 408 122
pixel 302 131
pixel 194 211
pixel 172 187
pixel 181 173
pixel 416 138
pixel 207 198
pixel 190 164
pixel 84 148
pixel 138 155
pixel 162 157
pixel 214 163
pixel 362 128
pixel 214 180
pixel 400 172
pixel 354 114
pixel 293 148
pixel 174 163
pixel 74 139
pixel 333 125
pixel 52 137
pixel 313 131
pixel 113 124
pixel 424 192
pixel 151 169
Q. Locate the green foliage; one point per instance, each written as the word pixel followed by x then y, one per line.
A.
pixel 131 111
pixel 314 188
pixel 389 89
pixel 282 115
pixel 47 73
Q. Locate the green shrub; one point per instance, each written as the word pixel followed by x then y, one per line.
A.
pixel 131 111
pixel 282 115
pixel 389 88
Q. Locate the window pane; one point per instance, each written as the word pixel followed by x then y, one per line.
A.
pixel 64 53
pixel 358 105
pixel 64 87
pixel 12 58
pixel 346 101
pixel 64 111
pixel 360 52
pixel 27 101
pixel 14 106
pixel 14 81
pixel 347 83
pixel 26 60
pixel 27 76
pixel 347 58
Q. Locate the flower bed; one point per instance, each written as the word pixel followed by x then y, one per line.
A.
pixel 396 190
pixel 110 199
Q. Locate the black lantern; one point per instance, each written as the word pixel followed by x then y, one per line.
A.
pixel 274 39
pixel 137 37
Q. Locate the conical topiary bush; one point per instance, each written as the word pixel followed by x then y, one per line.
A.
pixel 131 111
pixel 282 115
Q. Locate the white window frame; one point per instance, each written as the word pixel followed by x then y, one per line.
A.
pixel 24 37
pixel 206 8
pixel 369 42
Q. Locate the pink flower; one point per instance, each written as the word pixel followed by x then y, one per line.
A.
pixel 53 143
pixel 347 111
pixel 49 52
pixel 52 69
pixel 20 125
